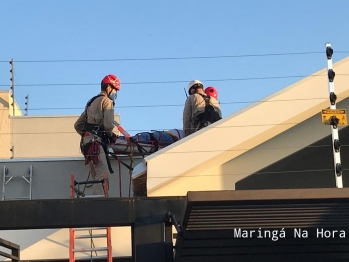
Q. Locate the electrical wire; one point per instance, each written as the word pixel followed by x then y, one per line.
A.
pixel 136 130
pixel 177 81
pixel 228 150
pixel 169 58
pixel 237 174
pixel 251 173
pixel 180 81
pixel 161 129
pixel 177 105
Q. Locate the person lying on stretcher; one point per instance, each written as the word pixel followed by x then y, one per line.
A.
pixel 156 138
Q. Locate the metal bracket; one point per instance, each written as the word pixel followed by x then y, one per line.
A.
pixel 339 169
pixel 331 74
pixel 172 219
pixel 329 52
pixel 336 145
pixel 333 98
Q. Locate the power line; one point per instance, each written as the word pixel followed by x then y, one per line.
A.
pixel 156 129
pixel 243 149
pixel 141 130
pixel 180 81
pixel 238 150
pixel 177 105
pixel 171 82
pixel 227 174
pixel 252 173
pixel 167 58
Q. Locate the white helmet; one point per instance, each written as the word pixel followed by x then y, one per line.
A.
pixel 192 83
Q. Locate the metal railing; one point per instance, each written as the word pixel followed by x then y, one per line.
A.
pixel 14 256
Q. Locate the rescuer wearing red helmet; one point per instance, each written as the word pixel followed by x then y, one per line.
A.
pixel 200 109
pixel 95 125
pixel 211 91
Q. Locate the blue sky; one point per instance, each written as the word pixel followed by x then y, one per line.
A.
pixel 137 36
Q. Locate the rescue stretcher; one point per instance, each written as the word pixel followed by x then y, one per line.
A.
pixel 145 143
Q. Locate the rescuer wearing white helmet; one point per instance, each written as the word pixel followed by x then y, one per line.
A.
pixel 200 110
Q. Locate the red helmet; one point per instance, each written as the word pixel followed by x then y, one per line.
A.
pixel 211 91
pixel 112 80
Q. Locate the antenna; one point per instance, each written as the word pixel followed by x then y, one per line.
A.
pixel 185 92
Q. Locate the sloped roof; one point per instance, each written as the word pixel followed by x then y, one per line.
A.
pixel 229 137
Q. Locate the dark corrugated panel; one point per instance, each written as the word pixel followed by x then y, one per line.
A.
pixel 139 185
pixel 270 216
pixel 251 231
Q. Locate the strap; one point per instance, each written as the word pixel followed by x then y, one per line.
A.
pixel 107 158
pixel 179 135
pixel 89 103
pixel 95 129
pixel 156 142
pixel 175 138
pixel 139 147
pixel 92 99
pixel 92 153
pixel 206 98
pixel 126 165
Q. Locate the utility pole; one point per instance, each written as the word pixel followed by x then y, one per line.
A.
pixel 12 79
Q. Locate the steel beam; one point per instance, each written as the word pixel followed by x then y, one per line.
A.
pixel 64 213
pixel 98 212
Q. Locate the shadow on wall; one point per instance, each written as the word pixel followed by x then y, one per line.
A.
pixel 310 167
pixel 4 103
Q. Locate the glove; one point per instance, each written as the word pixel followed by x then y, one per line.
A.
pixel 113 138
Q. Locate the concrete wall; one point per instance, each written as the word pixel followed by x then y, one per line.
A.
pixel 5 138
pixel 6 110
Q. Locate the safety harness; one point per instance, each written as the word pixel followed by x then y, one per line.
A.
pixel 207 117
pixel 91 150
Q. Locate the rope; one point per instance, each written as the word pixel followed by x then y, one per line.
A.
pixel 130 170
pixel 120 181
pixel 92 244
